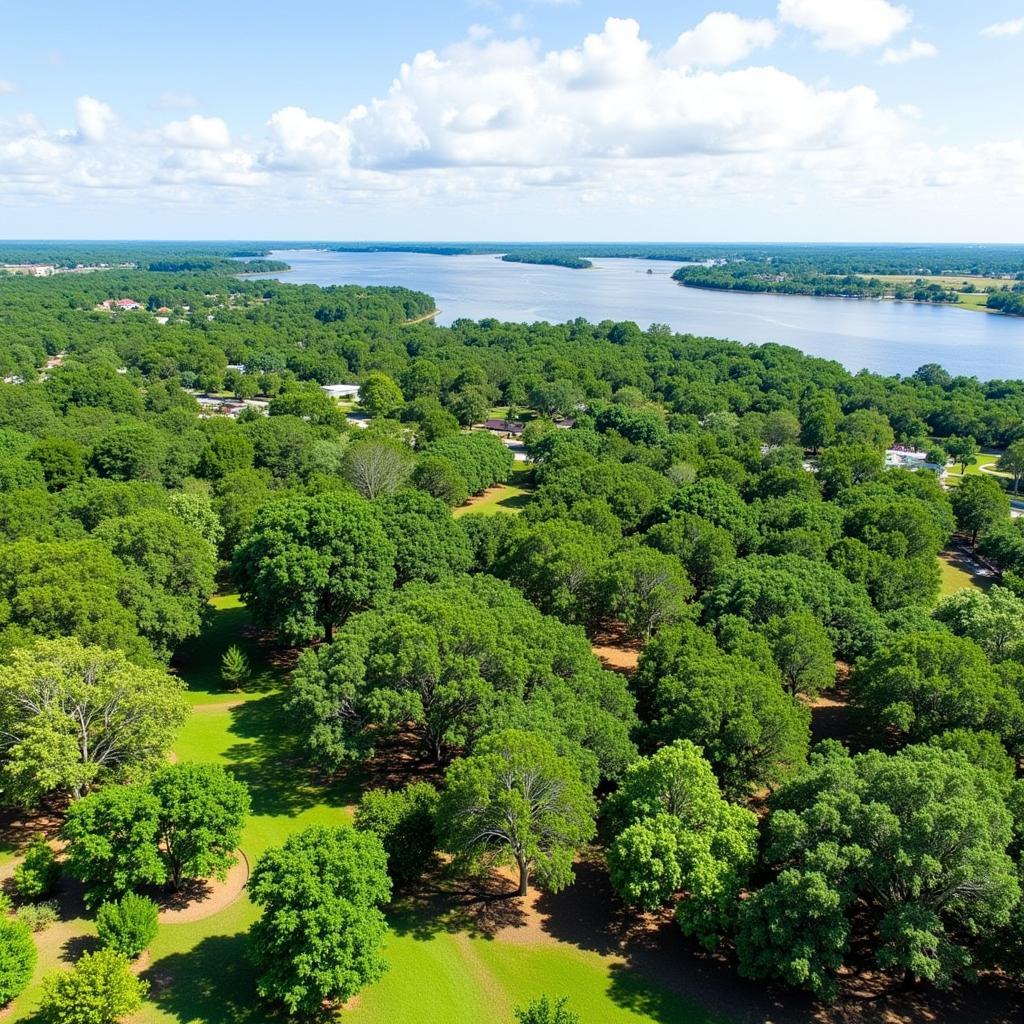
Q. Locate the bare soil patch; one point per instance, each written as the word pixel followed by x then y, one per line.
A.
pixel 618 651
pixel 205 898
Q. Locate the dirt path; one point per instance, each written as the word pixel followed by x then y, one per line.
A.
pixel 421 319
pixel 216 709
pixel 207 898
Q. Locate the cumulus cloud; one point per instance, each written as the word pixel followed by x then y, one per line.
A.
pixel 93 118
pixel 1013 27
pixel 849 25
pixel 494 121
pixel 722 38
pixel 912 51
pixel 197 132
pixel 301 142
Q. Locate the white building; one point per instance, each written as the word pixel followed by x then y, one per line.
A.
pixel 341 390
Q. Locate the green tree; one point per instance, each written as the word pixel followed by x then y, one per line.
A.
pixel 919 839
pixel 962 450
pixel 780 428
pixel 803 651
pixel 17 958
pixel 71 716
pixel 36 876
pixel 308 563
pixel 457 658
pixel 751 731
pixel 1012 462
pixel 921 684
pixel 994 620
pixel 234 667
pixel 320 934
pixel 129 925
pixel 112 837
pixel 380 396
pixel 546 1011
pixel 439 477
pixel 429 543
pixel 99 989
pixel 515 799
pixel 979 503
pixel 645 588
pixel 202 811
pixel 672 831
pixel 403 820
pixel 63 461
pixel 819 418
pixel 702 547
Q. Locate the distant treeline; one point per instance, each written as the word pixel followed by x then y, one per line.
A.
pixel 164 257
pixel 792 279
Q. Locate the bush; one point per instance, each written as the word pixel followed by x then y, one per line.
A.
pixel 129 925
pixel 17 958
pixel 100 989
pixel 36 876
pixel 38 916
pixel 403 820
pixel 546 1011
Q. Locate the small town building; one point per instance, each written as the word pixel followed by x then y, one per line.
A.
pixel 341 390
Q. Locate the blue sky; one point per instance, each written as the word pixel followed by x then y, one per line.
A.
pixel 470 119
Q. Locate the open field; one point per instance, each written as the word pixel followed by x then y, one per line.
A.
pixel 946 280
pixel 510 497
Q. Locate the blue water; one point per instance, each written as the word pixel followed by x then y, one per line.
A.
pixel 885 336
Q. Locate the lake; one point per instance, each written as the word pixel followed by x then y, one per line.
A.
pixel 885 336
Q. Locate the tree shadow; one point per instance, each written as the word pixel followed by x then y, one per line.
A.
pixel 212 982
pixel 77 945
pixel 275 767
pixel 479 907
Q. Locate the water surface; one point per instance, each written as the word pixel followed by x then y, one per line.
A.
pixel 885 336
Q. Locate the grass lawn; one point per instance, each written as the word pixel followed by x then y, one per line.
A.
pixel 510 497
pixel 956 575
pixel 198 971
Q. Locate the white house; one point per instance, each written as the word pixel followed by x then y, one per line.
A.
pixel 341 390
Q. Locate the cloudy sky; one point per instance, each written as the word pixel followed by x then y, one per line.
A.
pixel 513 119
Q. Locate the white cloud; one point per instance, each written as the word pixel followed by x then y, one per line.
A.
pixel 497 124
pixel 7 87
pixel 720 39
pixel 1013 27
pixel 912 51
pixel 301 142
pixel 94 119
pixel 197 132
pixel 849 25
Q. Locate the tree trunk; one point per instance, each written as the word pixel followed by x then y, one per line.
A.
pixel 329 632
pixel 524 876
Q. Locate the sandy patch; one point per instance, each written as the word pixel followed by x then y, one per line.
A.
pixel 206 898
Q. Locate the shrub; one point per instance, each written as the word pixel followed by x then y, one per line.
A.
pixel 99 989
pixel 546 1011
pixel 38 916
pixel 129 925
pixel 17 958
pixel 403 820
pixel 36 876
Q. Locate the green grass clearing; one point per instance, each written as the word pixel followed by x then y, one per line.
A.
pixel 956 575
pixel 509 497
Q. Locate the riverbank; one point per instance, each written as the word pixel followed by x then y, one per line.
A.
pixel 975 307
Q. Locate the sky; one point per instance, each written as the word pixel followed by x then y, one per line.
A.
pixel 513 120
